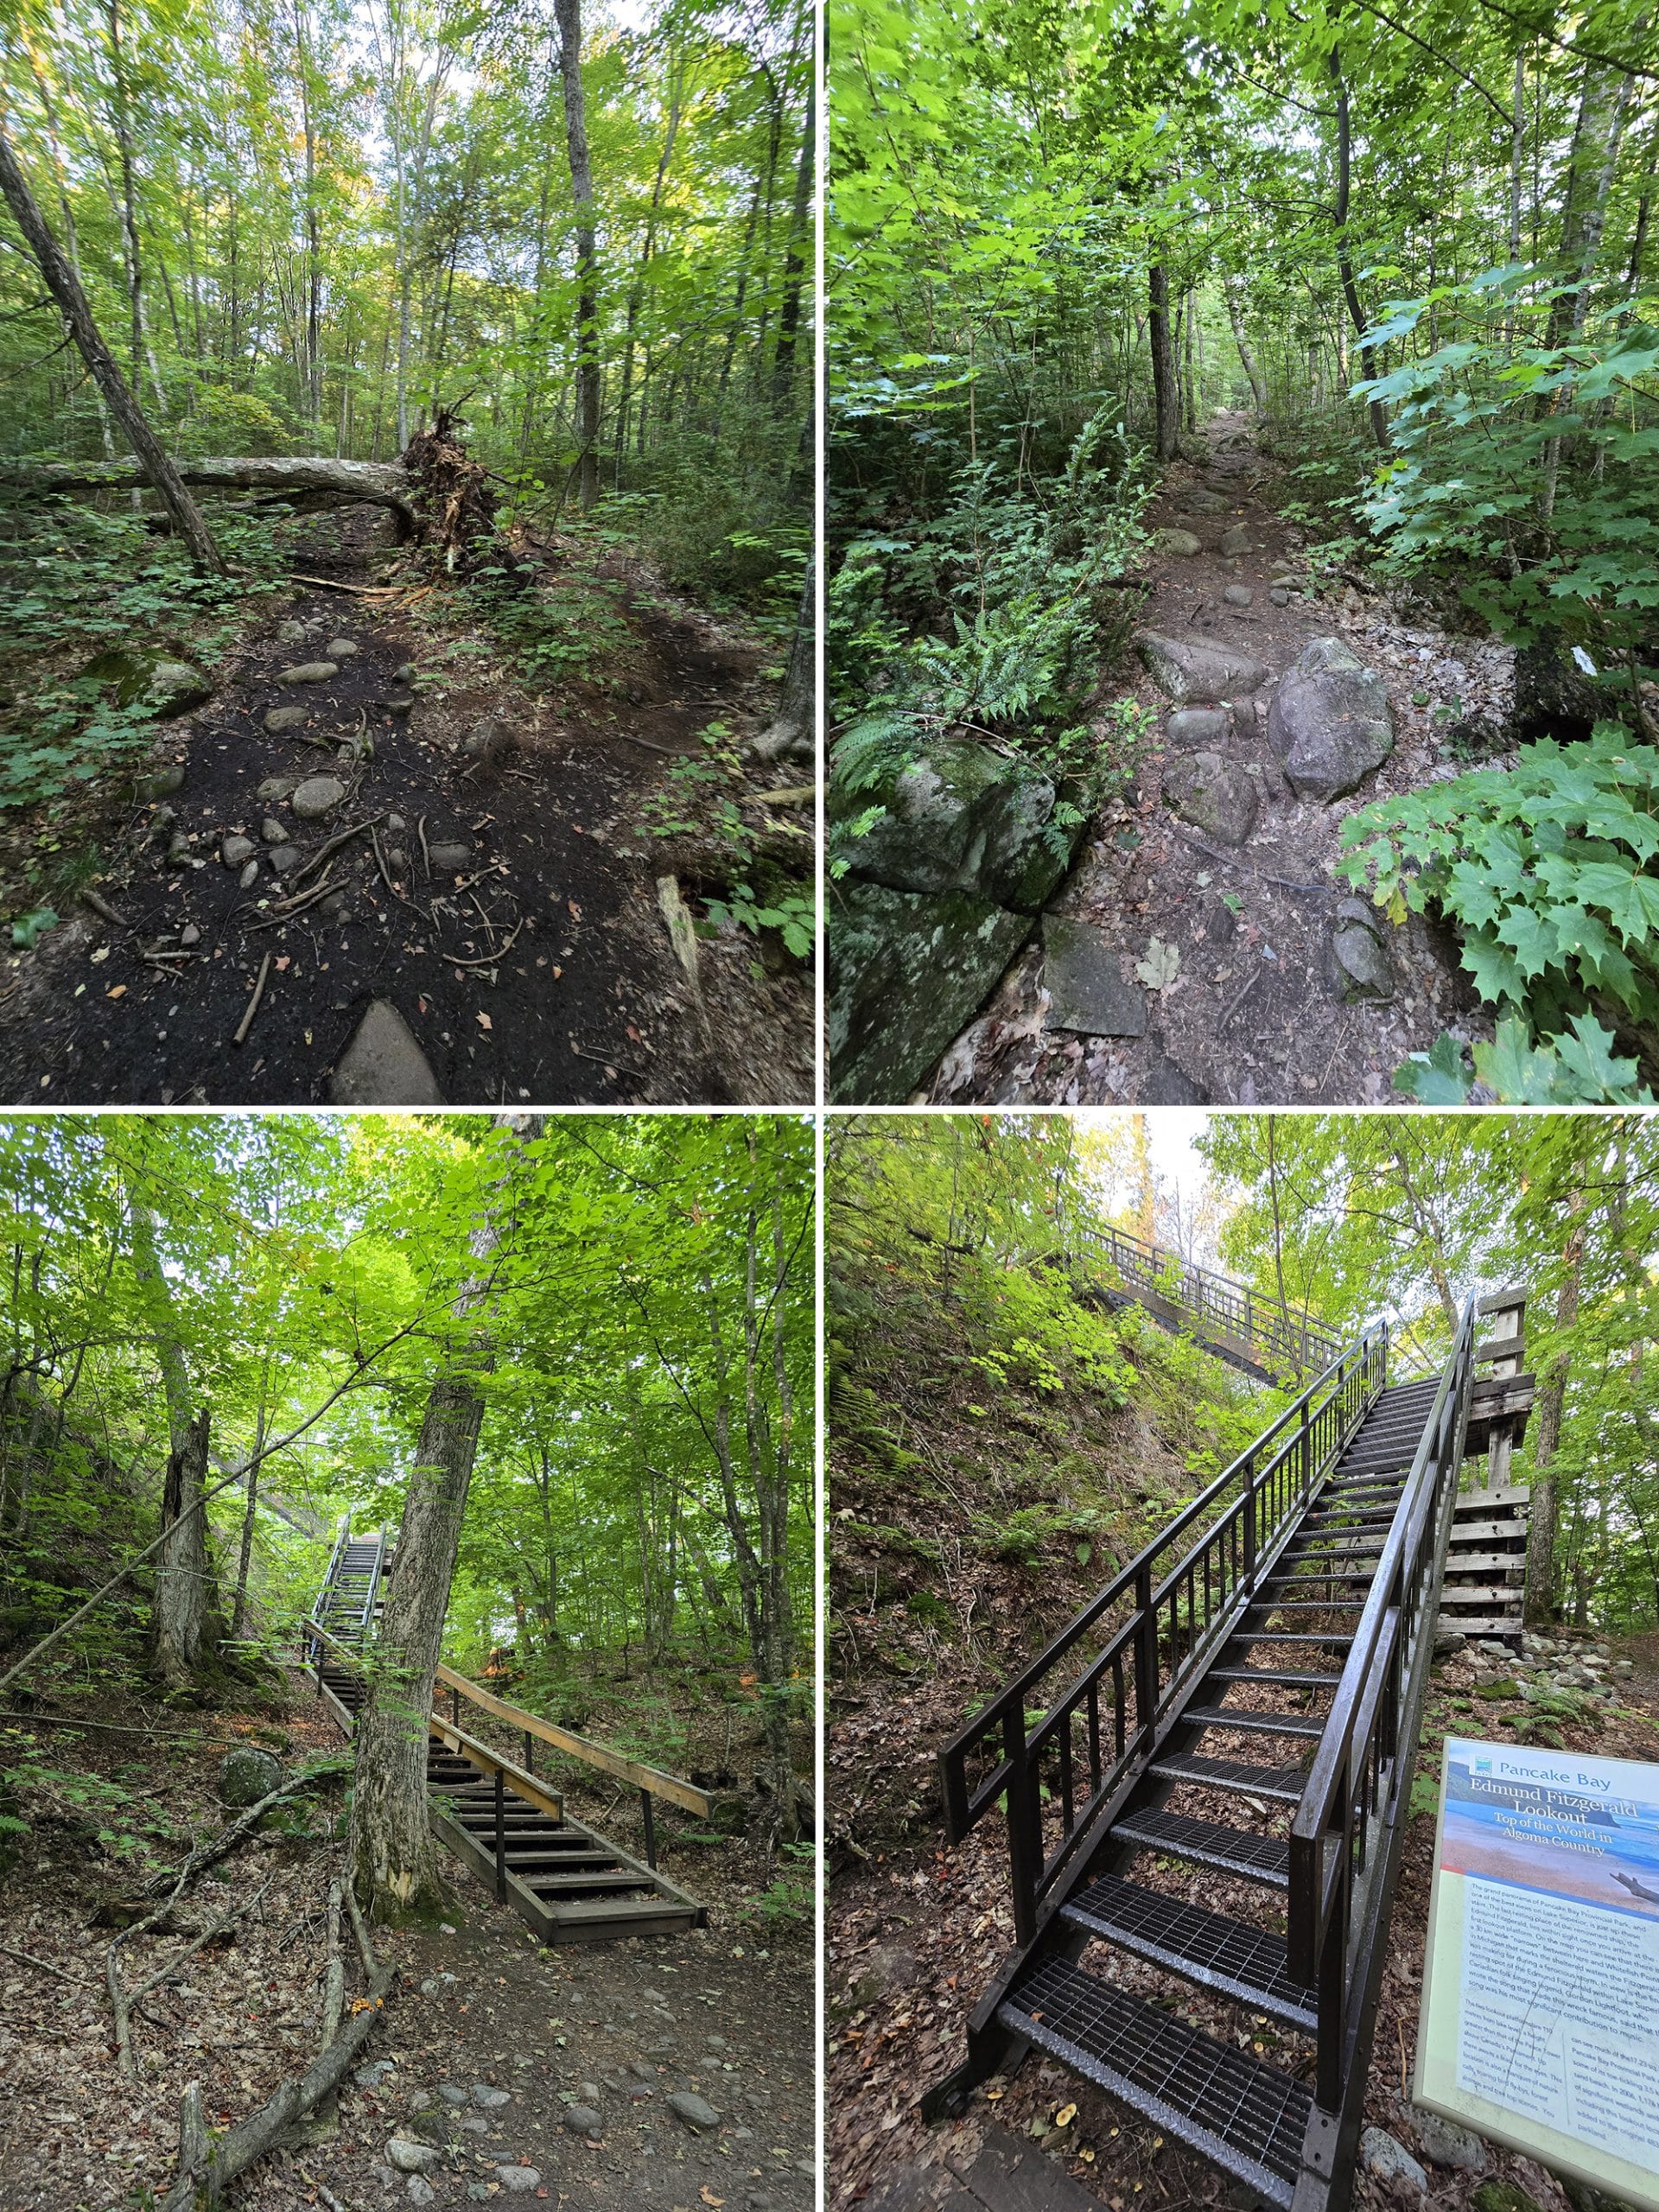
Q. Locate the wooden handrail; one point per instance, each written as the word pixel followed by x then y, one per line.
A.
pixel 650 1779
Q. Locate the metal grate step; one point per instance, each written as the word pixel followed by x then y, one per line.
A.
pixel 1245 2117
pixel 1245 1963
pixel 1279 1677
pixel 1285 1782
pixel 1263 1859
pixel 1257 1724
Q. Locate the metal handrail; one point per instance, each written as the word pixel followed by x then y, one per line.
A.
pixel 1357 1769
pixel 1215 1576
pixel 1266 1322
pixel 375 1572
pixel 334 1557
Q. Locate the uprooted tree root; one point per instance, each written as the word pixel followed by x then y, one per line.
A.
pixel 452 497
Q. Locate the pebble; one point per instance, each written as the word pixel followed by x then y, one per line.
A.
pixel 234 850
pixel 248 876
pixel 421 2192
pixel 406 673
pixel 451 2092
pixel 697 2112
pixel 1280 596
pixel 282 858
pixel 394 823
pixel 448 857
pixel 489 2099
pixel 518 2181
pixel 411 2158
pixel 291 632
pixel 1239 595
pixel 307 671
pixel 474 2125
pixel 317 795
pixel 178 847
pixel 272 830
pixel 189 934
pixel 371 2075
pixel 340 648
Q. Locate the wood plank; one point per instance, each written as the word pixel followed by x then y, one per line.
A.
pixel 1483 1562
pixel 642 1776
pixel 1496 1625
pixel 1510 1494
pixel 1502 1531
pixel 1502 1348
pixel 522 1784
pixel 1512 1300
pixel 1479 1592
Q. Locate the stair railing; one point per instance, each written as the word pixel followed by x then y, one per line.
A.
pixel 1170 1609
pixel 1341 1830
pixel 1266 1323
pixel 341 1538
pixel 376 1571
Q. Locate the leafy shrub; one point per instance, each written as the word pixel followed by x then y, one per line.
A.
pixel 1548 867
pixel 1575 1069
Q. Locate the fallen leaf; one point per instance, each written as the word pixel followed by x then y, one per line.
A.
pixel 483 1021
pixel 279 965
pixel 576 910
pixel 118 992
pixel 709 2197
pixel 1160 967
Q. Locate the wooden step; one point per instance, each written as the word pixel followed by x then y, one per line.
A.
pixel 618 1878
pixel 1483 1624
pixel 1247 1964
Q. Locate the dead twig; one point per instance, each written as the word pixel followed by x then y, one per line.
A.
pixel 494 959
pixel 47 1967
pixel 246 1022
pixel 426 857
pixel 608 1060
pixel 1255 978
pixel 102 909
pixel 289 908
pixel 1232 860
pixel 358 591
pixel 125 2005
pixel 326 851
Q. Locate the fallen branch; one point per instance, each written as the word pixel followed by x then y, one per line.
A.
pixel 326 851
pixel 47 1967
pixel 246 1022
pixel 102 908
pixel 207 2164
pixel 125 2006
pixel 222 1845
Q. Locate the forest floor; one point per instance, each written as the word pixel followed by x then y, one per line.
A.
pixel 923 1625
pixel 1253 1012
pixel 510 911
pixel 726 2012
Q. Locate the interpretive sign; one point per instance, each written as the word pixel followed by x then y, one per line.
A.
pixel 1539 2023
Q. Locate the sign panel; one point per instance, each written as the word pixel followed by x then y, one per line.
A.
pixel 1539 2023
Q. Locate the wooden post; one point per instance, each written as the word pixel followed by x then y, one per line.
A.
pixel 530 1752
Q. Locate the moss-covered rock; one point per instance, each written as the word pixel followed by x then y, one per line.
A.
pixel 907 971
pixel 246 1775
pixel 150 675
pixel 963 819
pixel 1500 2196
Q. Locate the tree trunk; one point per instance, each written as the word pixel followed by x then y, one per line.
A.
pixel 181 1569
pixel 1247 358
pixel 394 1860
pixel 1164 399
pixel 789 316
pixel 1378 413
pixel 65 288
pixel 581 188
pixel 1546 1430
pixel 791 729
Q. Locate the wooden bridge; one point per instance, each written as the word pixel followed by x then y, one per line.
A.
pixel 1261 1336
pixel 508 1823
pixel 1243 1700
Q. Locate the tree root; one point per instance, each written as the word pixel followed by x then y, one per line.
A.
pixel 126 2006
pixel 208 2162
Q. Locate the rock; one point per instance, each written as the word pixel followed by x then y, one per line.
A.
pixel 474 2124
pixel 282 858
pixel 406 673
pixel 317 795
pixel 962 819
pixel 144 676
pixel 489 2100
pixel 448 858
pixel 1500 2196
pixel 246 1775
pixel 280 787
pixel 1234 542
pixel 307 671
pixel 282 718
pixel 1239 595
pixel 1200 726
pixel 420 2191
pixel 1084 983
pixel 908 971
pixel 234 850
pixel 410 2156
pixel 693 2110
pixel 248 876
pixel 189 934
pixel 340 648
pixel 394 822
pixel 1213 795
pixel 451 2092
pixel 1448 1642
pixel 384 1066
pixel 1220 923
pixel 291 632
pixel 1583 2198
pixel 518 2181
pixel 582 2119
pixel 1330 721
pixel 1193 673
pixel 1178 542
pixel 1201 502
pixel 489 739
pixel 178 847
pixel 1391 2163
pixel 272 830
pixel 1361 964
pixel 160 783
pixel 1165 1085
pixel 331 909
pixel 1278 595
pixel 371 2075
pixel 1444 2143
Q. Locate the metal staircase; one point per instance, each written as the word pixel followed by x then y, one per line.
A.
pixel 1207 1773
pixel 564 1879
pixel 1260 1335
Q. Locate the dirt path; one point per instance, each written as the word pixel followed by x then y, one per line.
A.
pixel 1254 1012
pixel 509 915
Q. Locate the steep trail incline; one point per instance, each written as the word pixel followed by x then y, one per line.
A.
pixel 1215 857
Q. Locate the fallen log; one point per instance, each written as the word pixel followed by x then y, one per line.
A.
pixel 374 483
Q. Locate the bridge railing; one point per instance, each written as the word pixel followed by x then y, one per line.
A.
pixel 1281 1336
pixel 1117 1669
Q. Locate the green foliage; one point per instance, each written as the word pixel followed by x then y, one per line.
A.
pixel 793 915
pixel 1547 866
pixel 553 633
pixel 1579 1068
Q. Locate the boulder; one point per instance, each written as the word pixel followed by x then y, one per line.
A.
pixel 1085 983
pixel 146 676
pixel 1213 795
pixel 1193 673
pixel 1199 728
pixel 908 970
pixel 246 1775
pixel 384 1066
pixel 1181 543
pixel 317 795
pixel 1234 542
pixel 961 818
pixel 1330 721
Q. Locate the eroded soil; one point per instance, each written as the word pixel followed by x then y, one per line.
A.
pixel 535 965
pixel 1253 1014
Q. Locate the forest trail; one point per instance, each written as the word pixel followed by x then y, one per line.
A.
pixel 501 905
pixel 1254 1011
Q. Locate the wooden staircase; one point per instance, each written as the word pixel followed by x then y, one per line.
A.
pixel 1261 1336
pixel 1217 1786
pixel 568 1882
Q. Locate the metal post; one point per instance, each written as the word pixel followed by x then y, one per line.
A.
pixel 1146 1652
pixel 530 1752
pixel 1025 1832
pixel 1250 1521
pixel 500 1838
pixel 651 1830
